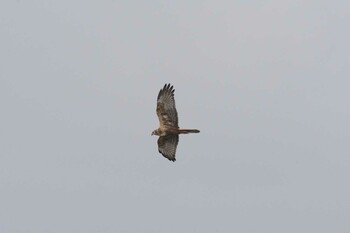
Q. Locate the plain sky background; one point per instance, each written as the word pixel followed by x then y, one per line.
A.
pixel 266 82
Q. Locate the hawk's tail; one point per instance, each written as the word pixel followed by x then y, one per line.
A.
pixel 186 131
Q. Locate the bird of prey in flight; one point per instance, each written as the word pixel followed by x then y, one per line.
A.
pixel 168 130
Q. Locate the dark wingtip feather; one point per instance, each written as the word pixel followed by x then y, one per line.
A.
pixel 171 159
pixel 167 88
pixel 160 93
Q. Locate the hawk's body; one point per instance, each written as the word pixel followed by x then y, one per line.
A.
pixel 168 123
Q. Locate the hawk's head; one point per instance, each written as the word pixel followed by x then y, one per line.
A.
pixel 155 132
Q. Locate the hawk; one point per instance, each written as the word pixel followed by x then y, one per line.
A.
pixel 168 130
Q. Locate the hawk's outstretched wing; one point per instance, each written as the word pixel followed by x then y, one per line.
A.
pixel 166 109
pixel 167 146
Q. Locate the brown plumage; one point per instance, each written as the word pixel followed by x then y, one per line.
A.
pixel 168 130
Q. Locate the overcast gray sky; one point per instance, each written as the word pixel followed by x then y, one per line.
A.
pixel 266 82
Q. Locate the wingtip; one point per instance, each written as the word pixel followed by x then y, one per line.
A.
pixel 168 86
